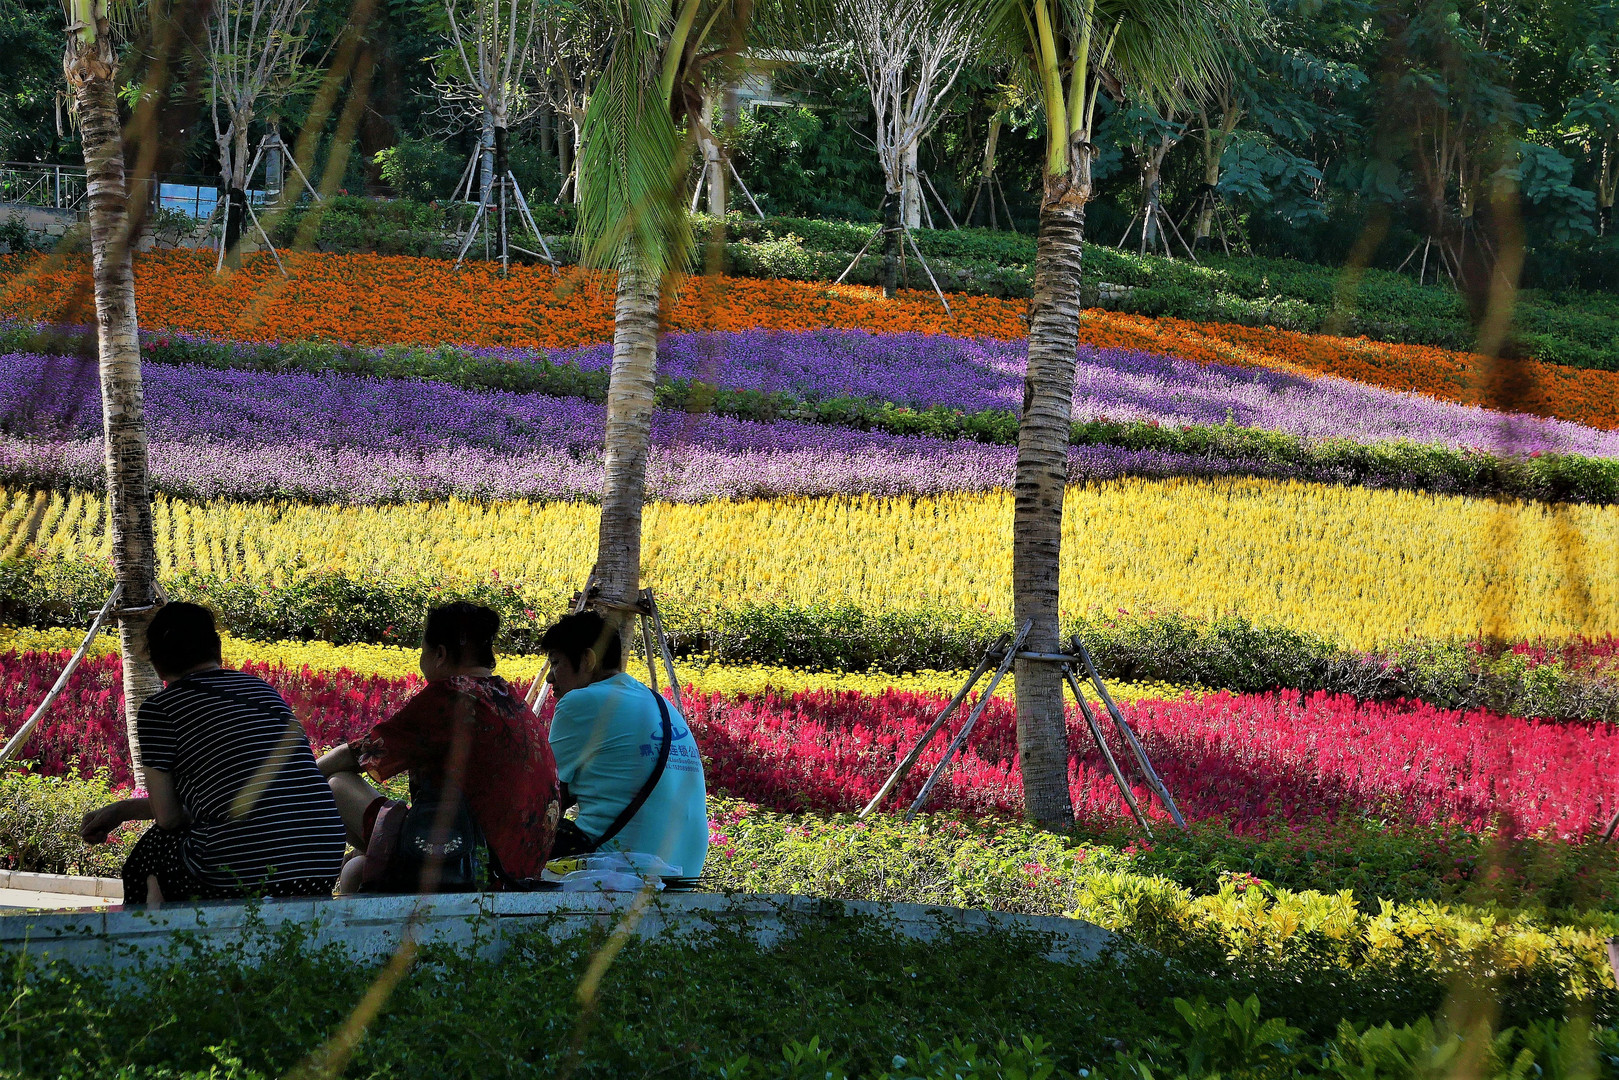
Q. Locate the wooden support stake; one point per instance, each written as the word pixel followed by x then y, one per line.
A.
pixel 867 245
pixel 910 760
pixel 1107 753
pixel 16 741
pixel 1130 739
pixel 972 719
pixel 663 647
pixel 927 268
pixel 541 690
pixel 947 215
pixel 646 645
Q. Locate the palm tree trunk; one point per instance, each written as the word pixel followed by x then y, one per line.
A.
pixel 90 70
pixel 629 427
pixel 1042 478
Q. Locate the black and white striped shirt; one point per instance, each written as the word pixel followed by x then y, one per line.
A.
pixel 242 767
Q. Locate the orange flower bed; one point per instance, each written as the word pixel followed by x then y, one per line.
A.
pixel 385 299
pixel 378 299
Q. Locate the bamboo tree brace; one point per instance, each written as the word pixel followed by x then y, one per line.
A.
pixel 1001 655
pixel 16 742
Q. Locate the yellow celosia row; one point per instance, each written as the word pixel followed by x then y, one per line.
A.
pixel 393 662
pixel 1359 565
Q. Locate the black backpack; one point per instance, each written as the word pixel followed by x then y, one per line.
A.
pixel 438 846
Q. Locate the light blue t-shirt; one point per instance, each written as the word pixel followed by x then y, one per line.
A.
pixel 606 739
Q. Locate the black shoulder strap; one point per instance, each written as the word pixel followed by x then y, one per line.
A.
pixel 645 793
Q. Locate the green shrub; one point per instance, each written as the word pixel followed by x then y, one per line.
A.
pixel 419 169
pixel 39 824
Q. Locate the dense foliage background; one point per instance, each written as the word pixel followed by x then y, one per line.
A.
pixel 1320 144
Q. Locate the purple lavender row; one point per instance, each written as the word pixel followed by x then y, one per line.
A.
pixel 58 394
pixel 205 469
pixel 921 370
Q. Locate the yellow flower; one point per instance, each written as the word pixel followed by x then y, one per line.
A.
pixel 1364 567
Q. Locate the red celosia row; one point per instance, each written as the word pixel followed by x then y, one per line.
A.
pixel 1251 759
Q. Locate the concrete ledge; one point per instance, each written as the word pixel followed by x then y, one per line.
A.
pixel 107 888
pixel 372 927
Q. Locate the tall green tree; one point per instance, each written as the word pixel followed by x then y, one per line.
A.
pixel 632 220
pixel 91 67
pixel 1070 52
pixel 1593 114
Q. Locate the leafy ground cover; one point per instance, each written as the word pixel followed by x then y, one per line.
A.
pixel 1192 924
pixel 831 1002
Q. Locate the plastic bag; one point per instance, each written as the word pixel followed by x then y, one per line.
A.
pixel 610 871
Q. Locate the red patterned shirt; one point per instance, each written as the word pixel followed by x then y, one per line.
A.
pixel 476 734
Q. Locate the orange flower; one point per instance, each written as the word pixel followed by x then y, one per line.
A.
pixel 387 299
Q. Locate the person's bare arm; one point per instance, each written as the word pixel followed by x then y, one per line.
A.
pixel 161 805
pixel 339 759
pixel 166 808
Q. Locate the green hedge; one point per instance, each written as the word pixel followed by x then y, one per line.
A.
pixel 1402 465
pixel 1230 653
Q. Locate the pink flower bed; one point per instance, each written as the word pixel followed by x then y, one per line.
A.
pixel 1258 761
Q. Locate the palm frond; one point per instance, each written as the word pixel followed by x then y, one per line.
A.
pixel 633 163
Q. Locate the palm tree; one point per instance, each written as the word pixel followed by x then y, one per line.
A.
pixel 1070 52
pixel 632 219
pixel 91 66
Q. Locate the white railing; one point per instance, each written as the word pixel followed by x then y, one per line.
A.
pixel 59 187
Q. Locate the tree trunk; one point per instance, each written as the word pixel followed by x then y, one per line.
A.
pixel 1151 186
pixel 629 426
pixel 486 159
pixel 910 189
pixel 713 164
pixel 1042 478
pixel 891 249
pixel 1211 181
pixel 502 164
pixel 565 136
pixel 91 76
pixel 578 147
pixel 1607 182
pixel 234 170
pixel 987 168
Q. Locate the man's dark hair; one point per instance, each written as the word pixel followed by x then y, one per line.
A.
pixel 465 630
pixel 181 636
pixel 571 635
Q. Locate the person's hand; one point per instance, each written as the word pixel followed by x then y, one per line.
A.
pixel 98 823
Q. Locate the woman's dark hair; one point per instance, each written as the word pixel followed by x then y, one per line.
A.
pixel 571 635
pixel 181 636
pixel 465 630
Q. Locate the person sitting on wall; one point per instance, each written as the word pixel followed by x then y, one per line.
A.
pixel 608 737
pixel 238 803
pixel 466 740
